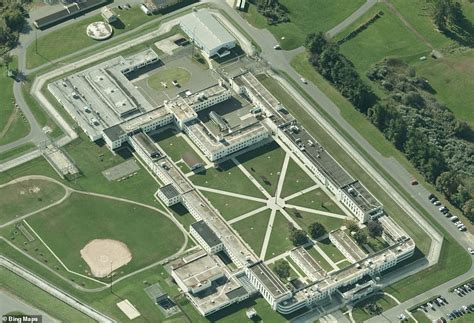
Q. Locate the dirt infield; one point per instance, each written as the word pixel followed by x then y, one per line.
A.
pixel 105 255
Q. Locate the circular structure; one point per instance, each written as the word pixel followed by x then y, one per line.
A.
pixel 99 30
pixel 103 256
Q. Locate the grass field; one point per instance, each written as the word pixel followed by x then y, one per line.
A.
pixel 167 76
pixel 68 227
pixel 231 207
pixel 252 229
pixel 330 250
pixel 72 38
pixel 21 198
pixel 13 125
pixel 17 151
pixel 318 200
pixel 279 242
pixel 386 37
pixel 453 79
pixel 304 219
pixel 421 317
pixel 360 314
pixel 175 147
pixel 323 16
pixel 295 179
pixel 220 178
pixel 38 298
pixel 264 164
pixel 319 259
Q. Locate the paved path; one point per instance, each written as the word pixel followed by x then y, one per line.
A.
pixel 247 215
pixel 232 194
pixel 306 209
pixel 351 19
pixel 267 235
pixel 306 190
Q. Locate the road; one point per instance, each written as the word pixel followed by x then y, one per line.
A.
pixel 351 19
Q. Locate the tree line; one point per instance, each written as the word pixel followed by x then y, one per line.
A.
pixel 12 20
pixel 409 116
pixel 272 10
pixel 449 18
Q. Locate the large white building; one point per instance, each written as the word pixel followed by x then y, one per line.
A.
pixel 207 33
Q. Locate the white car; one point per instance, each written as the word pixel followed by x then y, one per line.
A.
pixel 304 80
pixel 276 47
pixel 471 251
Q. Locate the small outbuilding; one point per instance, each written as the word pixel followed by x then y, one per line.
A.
pixel 108 14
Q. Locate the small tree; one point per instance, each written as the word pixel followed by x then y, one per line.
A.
pixel 297 237
pixel 375 229
pixel 282 269
pixel 316 230
pixel 352 226
pixel 360 237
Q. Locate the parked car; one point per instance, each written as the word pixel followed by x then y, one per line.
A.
pixel 437 203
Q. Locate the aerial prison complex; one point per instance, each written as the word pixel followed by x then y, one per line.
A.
pixel 106 105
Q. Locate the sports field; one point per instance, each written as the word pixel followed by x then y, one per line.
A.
pixel 68 227
pixel 18 199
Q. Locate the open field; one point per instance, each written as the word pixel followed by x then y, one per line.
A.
pixel 13 125
pixel 252 229
pixel 92 159
pixel 219 178
pixel 279 242
pixel 38 298
pixel 322 17
pixel 167 76
pixel 295 179
pixel 453 79
pixel 420 317
pixel 386 37
pixel 330 250
pixel 316 199
pixel 231 207
pixel 173 145
pixel 72 38
pixel 304 219
pixel 68 227
pixel 319 259
pixel 264 164
pixel 17 151
pixel 456 256
pixel 21 198
pixel 360 314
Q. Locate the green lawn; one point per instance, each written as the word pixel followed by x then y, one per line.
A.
pixel 68 227
pixel 295 179
pixel 304 219
pixel 17 151
pixel 386 37
pixel 231 207
pixel 252 230
pixel 330 250
pixel 319 259
pixel 344 264
pixel 21 198
pixel 453 79
pixel 293 274
pixel 360 314
pixel 318 200
pixel 92 159
pixel 264 164
pixel 279 242
pixel 38 298
pixel 13 125
pixel 377 243
pixel 182 215
pixel 175 147
pixel 167 76
pixel 71 38
pixel 220 178
pixel 306 16
pixel 421 317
